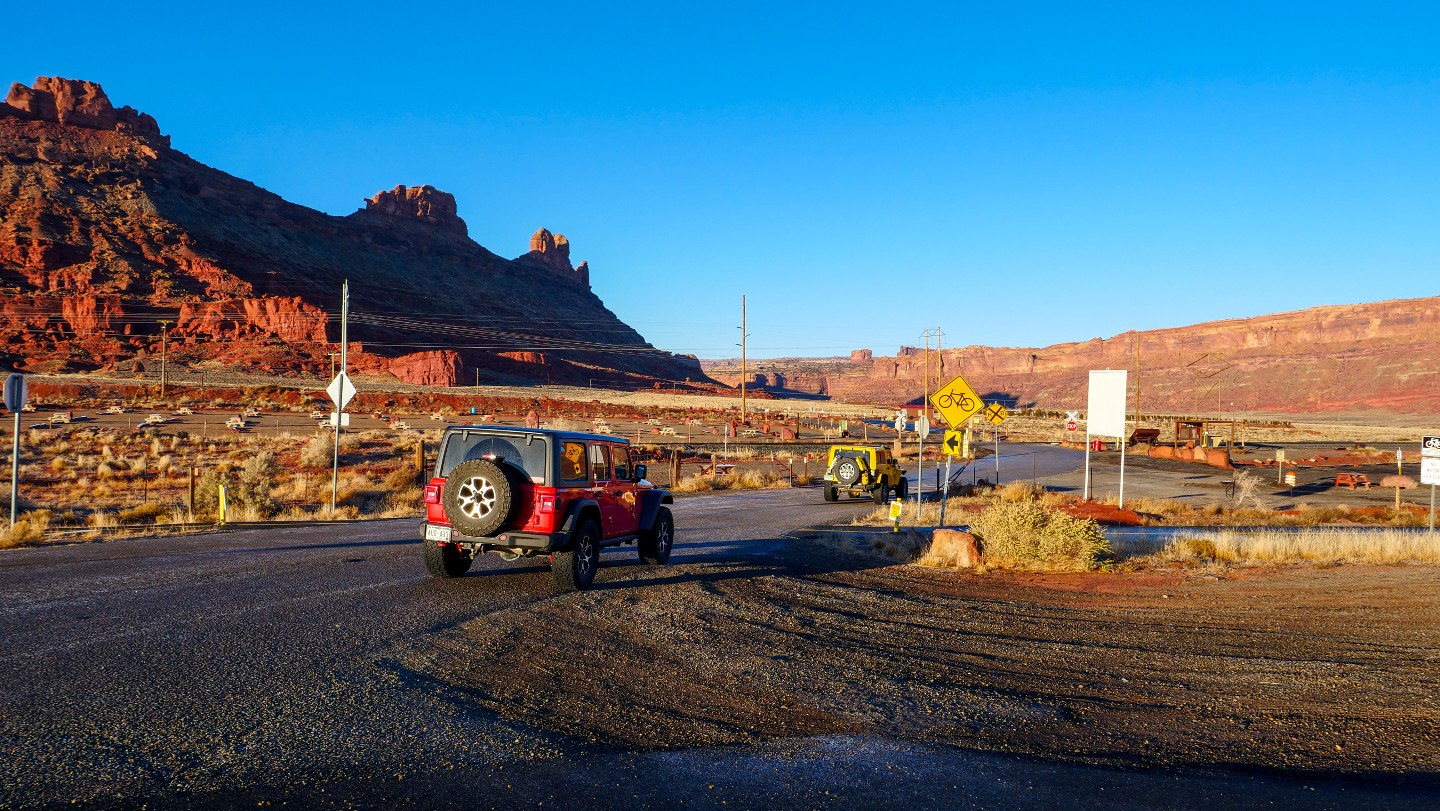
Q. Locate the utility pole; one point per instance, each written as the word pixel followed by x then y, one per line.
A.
pixel 164 340
pixel 925 403
pixel 939 356
pixel 340 410
pixel 744 371
pixel 1139 415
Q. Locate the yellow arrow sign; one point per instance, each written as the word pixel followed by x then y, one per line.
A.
pixel 956 401
pixel 954 442
pixel 995 413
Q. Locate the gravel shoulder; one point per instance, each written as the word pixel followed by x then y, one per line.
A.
pixel 320 667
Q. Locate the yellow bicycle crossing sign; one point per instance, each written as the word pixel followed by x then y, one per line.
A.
pixel 956 401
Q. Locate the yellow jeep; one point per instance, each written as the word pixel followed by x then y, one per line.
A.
pixel 861 471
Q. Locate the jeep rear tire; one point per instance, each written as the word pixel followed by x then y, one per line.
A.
pixel 574 568
pixel 847 471
pixel 656 542
pixel 446 560
pixel 831 494
pixel 479 498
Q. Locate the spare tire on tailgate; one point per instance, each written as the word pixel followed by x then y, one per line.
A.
pixel 479 497
pixel 847 470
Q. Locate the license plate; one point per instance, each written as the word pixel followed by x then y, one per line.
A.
pixel 434 533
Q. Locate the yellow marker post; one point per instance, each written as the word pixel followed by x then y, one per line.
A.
pixel 222 503
pixel 895 507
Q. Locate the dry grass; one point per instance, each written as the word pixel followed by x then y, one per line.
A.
pixel 1327 547
pixel 1028 535
pixel 29 528
pixel 744 480
pixel 956 512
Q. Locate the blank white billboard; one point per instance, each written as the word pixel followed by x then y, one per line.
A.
pixel 1105 415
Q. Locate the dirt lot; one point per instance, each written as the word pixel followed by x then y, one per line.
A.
pixel 1288 670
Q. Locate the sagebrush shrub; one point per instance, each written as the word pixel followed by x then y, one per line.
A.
pixel 1029 535
pixel 318 452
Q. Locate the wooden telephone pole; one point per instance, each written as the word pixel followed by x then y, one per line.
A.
pixel 744 371
pixel 164 341
pixel 927 334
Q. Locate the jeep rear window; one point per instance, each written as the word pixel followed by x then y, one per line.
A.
pixel 528 457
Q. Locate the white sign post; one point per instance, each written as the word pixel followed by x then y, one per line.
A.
pixel 17 392
pixel 1105 416
pixel 922 430
pixel 341 390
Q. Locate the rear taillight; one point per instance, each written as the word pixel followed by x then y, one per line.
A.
pixel 432 494
pixel 548 504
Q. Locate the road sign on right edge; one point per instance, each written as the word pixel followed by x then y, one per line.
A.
pixel 1430 446
pixel 1430 470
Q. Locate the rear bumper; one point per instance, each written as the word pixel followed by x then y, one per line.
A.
pixel 526 541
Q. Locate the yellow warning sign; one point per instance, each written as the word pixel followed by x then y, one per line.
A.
pixel 954 442
pixel 995 413
pixel 956 401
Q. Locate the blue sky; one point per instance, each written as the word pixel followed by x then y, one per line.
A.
pixel 1014 174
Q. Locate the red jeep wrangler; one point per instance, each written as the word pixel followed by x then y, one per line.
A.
pixel 522 492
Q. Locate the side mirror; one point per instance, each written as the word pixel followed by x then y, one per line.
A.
pixel 640 471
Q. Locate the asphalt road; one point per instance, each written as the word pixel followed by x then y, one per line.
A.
pixel 317 667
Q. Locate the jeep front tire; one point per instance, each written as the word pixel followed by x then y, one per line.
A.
pixel 656 542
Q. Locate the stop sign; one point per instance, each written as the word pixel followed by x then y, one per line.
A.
pixel 1071 425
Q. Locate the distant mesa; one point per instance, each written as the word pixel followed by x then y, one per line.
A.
pixel 107 236
pixel 77 104
pixel 425 204
pixel 553 251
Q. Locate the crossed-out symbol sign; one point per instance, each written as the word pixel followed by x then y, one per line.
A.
pixel 995 413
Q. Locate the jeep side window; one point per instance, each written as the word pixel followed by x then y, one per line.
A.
pixel 622 464
pixel 572 462
pixel 600 463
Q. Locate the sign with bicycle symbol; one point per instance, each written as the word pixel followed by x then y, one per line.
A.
pixel 1430 446
pixel 956 401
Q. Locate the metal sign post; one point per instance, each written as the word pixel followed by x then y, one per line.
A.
pixel 17 392
pixel 341 390
pixel 945 490
pixel 922 430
